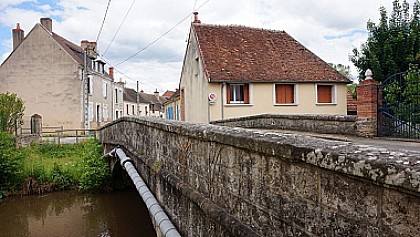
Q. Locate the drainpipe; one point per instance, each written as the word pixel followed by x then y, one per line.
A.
pixel 161 219
pixel 222 98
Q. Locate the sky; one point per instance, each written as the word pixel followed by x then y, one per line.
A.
pixel 146 40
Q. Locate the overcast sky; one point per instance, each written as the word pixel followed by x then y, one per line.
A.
pixel 329 28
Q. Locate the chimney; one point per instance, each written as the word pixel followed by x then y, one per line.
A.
pixel 47 23
pixel 89 47
pixel 196 20
pixel 156 93
pixel 111 72
pixel 18 35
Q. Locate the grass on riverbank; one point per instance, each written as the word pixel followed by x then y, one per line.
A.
pixel 49 167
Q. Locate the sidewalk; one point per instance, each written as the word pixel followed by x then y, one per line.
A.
pixel 390 143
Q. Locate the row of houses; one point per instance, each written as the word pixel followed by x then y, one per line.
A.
pixel 68 84
pixel 228 71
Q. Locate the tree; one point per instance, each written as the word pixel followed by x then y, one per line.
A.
pixel 11 112
pixel 344 70
pixel 393 44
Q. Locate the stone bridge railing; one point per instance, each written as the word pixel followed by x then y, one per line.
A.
pixel 223 181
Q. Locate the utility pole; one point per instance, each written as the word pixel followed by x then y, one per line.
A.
pixel 137 98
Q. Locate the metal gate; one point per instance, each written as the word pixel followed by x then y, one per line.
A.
pixel 399 106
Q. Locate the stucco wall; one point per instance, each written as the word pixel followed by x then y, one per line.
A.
pixel 194 84
pixel 221 181
pixel 262 100
pixel 46 79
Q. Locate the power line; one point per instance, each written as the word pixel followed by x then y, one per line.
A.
pixel 103 21
pixel 119 27
pixel 161 36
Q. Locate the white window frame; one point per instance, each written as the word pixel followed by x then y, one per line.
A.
pixel 250 94
pixel 295 94
pixel 232 97
pixel 333 93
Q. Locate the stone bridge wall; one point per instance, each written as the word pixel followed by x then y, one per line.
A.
pixel 332 124
pixel 223 181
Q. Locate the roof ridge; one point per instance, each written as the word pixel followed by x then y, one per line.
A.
pixel 239 26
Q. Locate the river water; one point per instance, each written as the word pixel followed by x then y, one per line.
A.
pixel 75 214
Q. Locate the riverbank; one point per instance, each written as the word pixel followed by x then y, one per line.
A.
pixel 41 168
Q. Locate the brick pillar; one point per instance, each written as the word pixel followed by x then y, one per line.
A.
pixel 367 106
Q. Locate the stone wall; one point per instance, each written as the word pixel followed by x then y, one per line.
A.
pixel 332 124
pixel 222 181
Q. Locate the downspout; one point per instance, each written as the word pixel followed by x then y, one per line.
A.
pixel 155 210
pixel 222 98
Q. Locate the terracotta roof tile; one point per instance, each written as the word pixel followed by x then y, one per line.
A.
pixel 238 53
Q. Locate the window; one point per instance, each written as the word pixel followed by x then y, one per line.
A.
pixel 116 97
pixel 285 93
pixel 90 112
pixel 100 67
pixel 104 89
pixel 237 93
pixel 89 85
pixel 98 113
pixel 105 112
pixel 116 114
pixel 127 109
pixel 325 94
pixel 132 108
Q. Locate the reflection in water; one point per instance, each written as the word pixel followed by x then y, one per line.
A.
pixel 75 214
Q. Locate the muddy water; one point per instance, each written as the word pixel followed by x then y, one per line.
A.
pixel 75 214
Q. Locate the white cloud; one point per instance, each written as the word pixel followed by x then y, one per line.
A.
pixel 329 28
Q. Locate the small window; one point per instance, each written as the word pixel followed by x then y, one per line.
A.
pixel 132 108
pixel 127 109
pixel 104 89
pixel 325 94
pixel 116 96
pixel 116 114
pixel 237 93
pixel 89 85
pixel 285 93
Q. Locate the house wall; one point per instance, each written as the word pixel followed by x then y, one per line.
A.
pixel 194 85
pixel 97 98
pixel 176 109
pixel 118 100
pixel 263 98
pixel 46 78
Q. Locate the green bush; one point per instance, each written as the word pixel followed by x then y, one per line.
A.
pixel 10 163
pixel 66 166
pixel 94 170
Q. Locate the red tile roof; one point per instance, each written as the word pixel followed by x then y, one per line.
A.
pixel 238 53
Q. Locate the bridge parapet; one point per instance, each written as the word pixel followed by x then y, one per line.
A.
pixel 222 181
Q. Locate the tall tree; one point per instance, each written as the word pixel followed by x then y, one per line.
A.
pixel 11 112
pixel 393 44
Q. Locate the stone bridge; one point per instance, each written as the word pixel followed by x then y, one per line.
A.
pixel 228 181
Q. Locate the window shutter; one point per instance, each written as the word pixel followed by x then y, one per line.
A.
pixel 246 93
pixel 324 94
pixel 285 94
pixel 227 94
